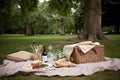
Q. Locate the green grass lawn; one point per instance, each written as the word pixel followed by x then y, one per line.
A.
pixel 13 43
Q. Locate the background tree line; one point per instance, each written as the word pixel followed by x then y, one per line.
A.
pixel 31 17
pixel 16 15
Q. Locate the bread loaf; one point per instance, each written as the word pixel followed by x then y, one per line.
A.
pixel 64 63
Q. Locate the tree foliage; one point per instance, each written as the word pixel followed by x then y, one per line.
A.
pixel 63 7
pixel 5 14
pixel 48 17
pixel 41 19
pixel 110 16
pixel 10 10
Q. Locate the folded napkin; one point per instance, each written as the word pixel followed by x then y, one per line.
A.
pixel 20 56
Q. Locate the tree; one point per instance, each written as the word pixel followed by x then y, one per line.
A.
pixel 5 14
pixel 92 16
pixel 64 9
pixel 92 21
pixel 8 8
pixel 78 18
pixel 111 14
pixel 26 7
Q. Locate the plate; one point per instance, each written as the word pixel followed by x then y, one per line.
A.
pixel 48 65
pixel 29 67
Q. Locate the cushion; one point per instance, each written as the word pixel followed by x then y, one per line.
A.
pixel 20 56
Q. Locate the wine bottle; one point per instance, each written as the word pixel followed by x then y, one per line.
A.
pixel 44 55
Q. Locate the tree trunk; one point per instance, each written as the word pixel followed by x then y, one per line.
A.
pixel 28 28
pixel 117 29
pixel 92 21
pixel 62 27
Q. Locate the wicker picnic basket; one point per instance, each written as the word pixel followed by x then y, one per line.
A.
pixel 96 54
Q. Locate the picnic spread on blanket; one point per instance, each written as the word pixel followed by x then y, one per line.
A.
pixel 83 58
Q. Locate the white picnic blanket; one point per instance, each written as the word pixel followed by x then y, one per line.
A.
pixel 10 68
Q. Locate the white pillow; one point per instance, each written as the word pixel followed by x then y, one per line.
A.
pixel 20 56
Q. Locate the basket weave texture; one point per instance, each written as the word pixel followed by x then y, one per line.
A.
pixel 96 54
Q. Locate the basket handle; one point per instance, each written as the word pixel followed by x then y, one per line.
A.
pixel 93 49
